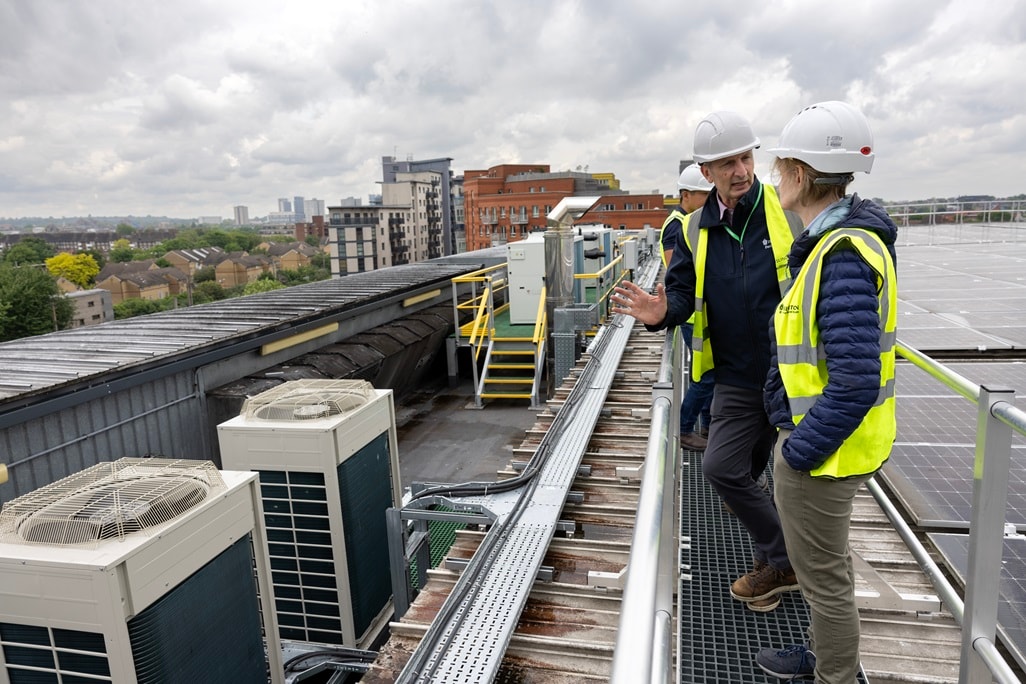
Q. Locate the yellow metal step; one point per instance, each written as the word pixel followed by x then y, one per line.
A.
pixel 511 366
pixel 505 395
pixel 509 381
pixel 513 352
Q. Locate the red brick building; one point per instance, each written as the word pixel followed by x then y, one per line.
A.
pixel 628 212
pixel 505 203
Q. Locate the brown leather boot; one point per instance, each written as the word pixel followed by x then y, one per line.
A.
pixel 763 582
pixel 693 441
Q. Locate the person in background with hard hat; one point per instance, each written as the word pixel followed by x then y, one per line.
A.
pixel 730 271
pixel 830 390
pixel 694 190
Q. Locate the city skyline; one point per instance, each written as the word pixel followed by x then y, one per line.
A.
pixel 193 109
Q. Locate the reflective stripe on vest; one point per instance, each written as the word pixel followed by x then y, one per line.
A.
pixel 802 360
pixel 697 239
pixel 675 215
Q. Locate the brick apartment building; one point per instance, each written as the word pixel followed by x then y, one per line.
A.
pixel 507 202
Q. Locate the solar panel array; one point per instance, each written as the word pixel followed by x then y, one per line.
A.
pixel 962 295
pixel 963 300
pixel 931 467
pixel 954 549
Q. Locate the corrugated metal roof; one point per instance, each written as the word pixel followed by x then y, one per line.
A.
pixel 44 362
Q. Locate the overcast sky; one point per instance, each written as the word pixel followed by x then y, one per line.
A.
pixel 187 108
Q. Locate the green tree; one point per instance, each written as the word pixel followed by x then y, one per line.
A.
pixel 313 240
pixel 261 285
pixel 97 256
pixel 204 274
pixel 138 307
pixel 322 260
pixel 32 303
pixel 303 274
pixel 80 269
pixel 208 291
pixel 124 229
pixel 186 239
pixel 29 250
pixel 121 251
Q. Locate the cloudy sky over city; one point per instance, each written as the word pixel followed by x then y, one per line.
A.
pixel 188 108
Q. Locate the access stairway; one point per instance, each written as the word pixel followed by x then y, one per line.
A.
pixel 514 355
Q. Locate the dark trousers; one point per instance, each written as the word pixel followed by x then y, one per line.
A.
pixel 740 443
pixel 697 401
pixel 696 406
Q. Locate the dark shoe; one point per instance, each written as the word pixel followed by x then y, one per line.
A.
pixel 704 432
pixel 693 442
pixel 794 662
pixel 763 582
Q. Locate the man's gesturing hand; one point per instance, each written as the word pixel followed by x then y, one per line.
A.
pixel 630 299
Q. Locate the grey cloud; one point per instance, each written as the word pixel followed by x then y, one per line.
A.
pixel 150 107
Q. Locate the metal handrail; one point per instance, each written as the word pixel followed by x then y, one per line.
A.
pixel 540 321
pixel 641 653
pixel 540 335
pixel 620 274
pixel 980 661
pixel 481 318
pixel 644 651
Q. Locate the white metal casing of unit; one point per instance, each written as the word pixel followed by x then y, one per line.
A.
pixel 299 462
pixel 97 589
pixel 526 272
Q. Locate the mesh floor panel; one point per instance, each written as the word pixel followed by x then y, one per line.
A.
pixel 719 636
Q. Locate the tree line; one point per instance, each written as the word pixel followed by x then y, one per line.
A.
pixel 32 303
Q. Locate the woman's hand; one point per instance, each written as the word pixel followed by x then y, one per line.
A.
pixel 631 300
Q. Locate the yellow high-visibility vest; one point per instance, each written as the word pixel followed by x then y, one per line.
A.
pixel 802 360
pixel 675 215
pixel 781 237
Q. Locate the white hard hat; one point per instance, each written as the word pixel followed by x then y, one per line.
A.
pixel 831 137
pixel 691 178
pixel 723 134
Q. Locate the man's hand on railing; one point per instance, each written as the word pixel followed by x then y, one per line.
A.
pixel 632 300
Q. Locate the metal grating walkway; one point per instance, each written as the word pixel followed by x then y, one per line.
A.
pixel 719 636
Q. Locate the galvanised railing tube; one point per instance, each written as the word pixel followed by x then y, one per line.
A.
pixel 986 533
pixel 662 649
pixel 980 659
pixel 1011 416
pixel 644 651
pixel 945 591
pixel 947 376
pixel 998 667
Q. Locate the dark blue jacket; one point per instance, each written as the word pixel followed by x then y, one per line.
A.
pixel 849 332
pixel 741 290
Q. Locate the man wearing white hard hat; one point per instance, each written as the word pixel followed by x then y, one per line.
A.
pixel 694 190
pixel 730 272
pixel 830 390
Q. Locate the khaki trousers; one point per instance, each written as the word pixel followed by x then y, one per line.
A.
pixel 816 515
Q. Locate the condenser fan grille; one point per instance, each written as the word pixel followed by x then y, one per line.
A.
pixel 110 500
pixel 308 400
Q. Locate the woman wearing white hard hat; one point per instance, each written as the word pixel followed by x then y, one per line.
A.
pixel 830 389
